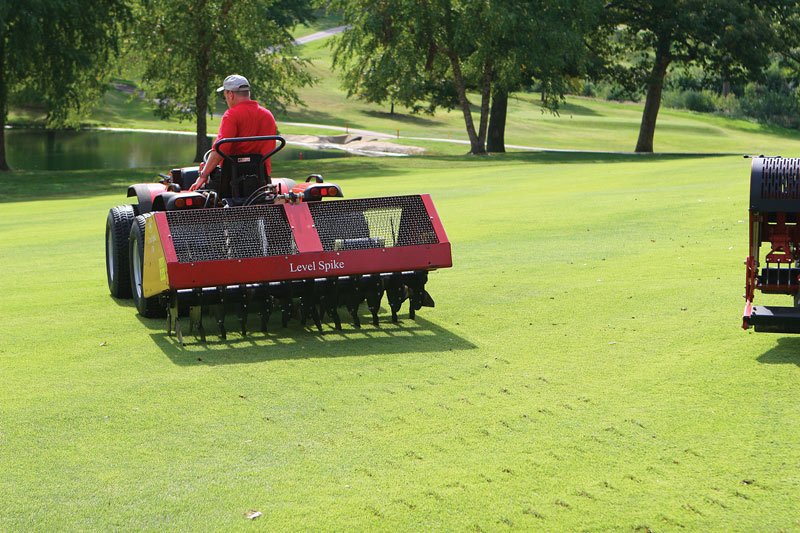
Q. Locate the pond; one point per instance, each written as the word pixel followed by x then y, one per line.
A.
pixel 93 149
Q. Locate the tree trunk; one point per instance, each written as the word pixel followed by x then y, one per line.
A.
pixel 652 103
pixel 201 104
pixel 201 90
pixel 486 93
pixel 477 146
pixel 3 106
pixel 495 139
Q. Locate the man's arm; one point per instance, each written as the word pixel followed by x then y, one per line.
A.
pixel 213 160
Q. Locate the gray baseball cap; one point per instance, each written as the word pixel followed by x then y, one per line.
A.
pixel 235 82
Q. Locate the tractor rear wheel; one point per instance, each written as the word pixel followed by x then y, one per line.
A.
pixel 148 307
pixel 118 227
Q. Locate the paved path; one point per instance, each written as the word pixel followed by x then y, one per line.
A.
pixel 320 35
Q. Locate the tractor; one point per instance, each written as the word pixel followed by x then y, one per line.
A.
pixel 246 242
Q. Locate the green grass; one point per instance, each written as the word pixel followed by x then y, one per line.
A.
pixel 583 369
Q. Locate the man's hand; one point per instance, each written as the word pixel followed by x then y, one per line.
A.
pixel 201 180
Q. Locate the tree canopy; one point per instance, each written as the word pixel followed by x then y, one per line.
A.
pixel 189 46
pixel 435 52
pixel 640 40
pixel 61 51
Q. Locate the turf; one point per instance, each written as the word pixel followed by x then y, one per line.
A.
pixel 583 369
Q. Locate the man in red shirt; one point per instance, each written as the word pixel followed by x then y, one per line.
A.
pixel 244 118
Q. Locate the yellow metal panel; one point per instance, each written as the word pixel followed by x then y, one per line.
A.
pixel 154 276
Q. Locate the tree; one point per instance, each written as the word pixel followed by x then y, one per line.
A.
pixel 61 51
pixel 641 40
pixel 404 52
pixel 438 50
pixel 538 43
pixel 189 46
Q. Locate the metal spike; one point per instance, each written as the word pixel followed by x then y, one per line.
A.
pixel 219 311
pixel 285 302
pixel 354 315
pixel 396 293
pixel 266 311
pixel 178 331
pixel 329 301
pixel 308 309
pixel 245 296
pixel 196 319
pixel 417 295
pixel 372 288
pixel 172 316
pixel 349 289
pixel 308 304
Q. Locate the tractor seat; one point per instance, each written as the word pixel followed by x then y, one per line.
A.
pixel 241 177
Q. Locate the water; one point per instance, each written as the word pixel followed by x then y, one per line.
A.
pixel 74 150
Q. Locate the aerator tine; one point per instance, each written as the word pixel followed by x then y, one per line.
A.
pixel 173 318
pixel 396 293
pixel 372 289
pixel 329 300
pixel 219 313
pixel 196 321
pixel 350 288
pixel 266 306
pixel 308 304
pixel 418 297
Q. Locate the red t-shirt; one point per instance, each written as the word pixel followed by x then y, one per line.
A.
pixel 247 119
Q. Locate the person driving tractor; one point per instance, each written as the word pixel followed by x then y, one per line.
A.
pixel 244 118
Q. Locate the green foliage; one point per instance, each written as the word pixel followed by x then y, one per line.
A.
pixel 409 53
pixel 640 41
pixel 773 100
pixel 189 46
pixel 609 90
pixel 57 54
pixel 770 106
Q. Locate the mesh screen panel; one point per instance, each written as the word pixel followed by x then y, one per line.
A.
pixel 781 178
pixel 235 233
pixel 372 223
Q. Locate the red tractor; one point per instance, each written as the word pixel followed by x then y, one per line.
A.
pixel 246 241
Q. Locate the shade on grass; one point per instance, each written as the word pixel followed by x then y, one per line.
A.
pixel 583 369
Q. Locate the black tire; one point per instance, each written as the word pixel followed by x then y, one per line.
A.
pixel 147 307
pixel 118 228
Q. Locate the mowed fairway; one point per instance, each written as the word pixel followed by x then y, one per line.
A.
pixel 583 369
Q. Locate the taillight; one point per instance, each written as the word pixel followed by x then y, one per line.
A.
pixel 315 191
pixel 332 191
pixel 180 202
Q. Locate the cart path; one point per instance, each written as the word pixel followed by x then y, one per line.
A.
pixel 387 136
pixel 320 35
